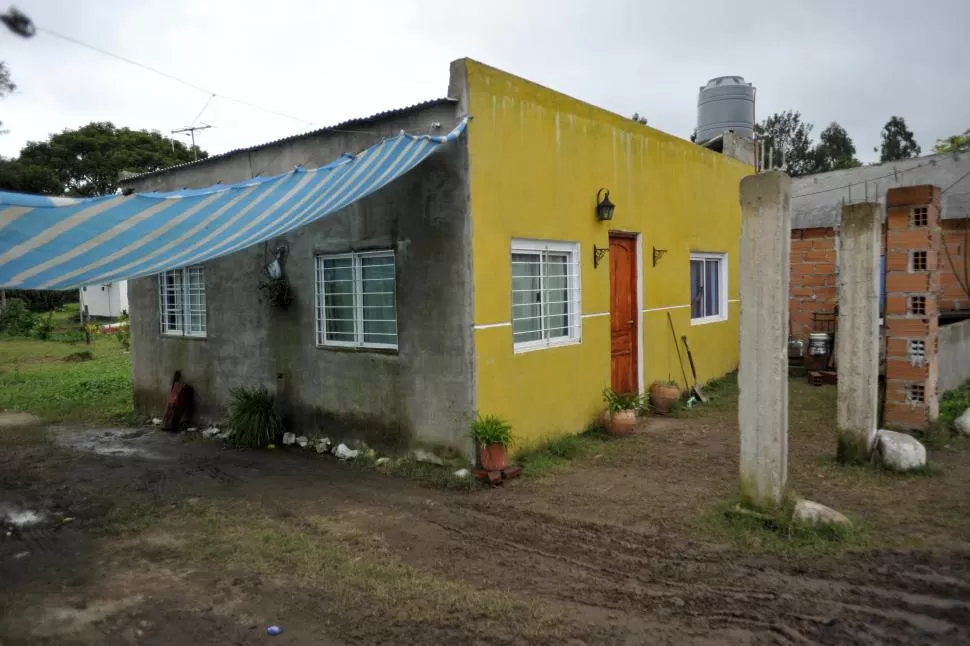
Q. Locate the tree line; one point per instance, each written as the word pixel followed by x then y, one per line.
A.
pixel 788 139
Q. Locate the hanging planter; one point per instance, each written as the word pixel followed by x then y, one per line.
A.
pixel 277 291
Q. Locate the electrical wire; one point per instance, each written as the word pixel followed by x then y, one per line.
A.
pixel 962 177
pixel 171 76
pixel 211 96
pixel 895 173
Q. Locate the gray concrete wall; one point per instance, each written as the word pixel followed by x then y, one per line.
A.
pixel 421 394
pixel 954 356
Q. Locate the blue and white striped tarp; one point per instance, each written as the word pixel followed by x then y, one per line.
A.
pixel 61 243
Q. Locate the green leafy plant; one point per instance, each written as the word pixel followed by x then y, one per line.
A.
pixel 491 429
pixel 253 417
pixel 16 319
pixel 123 332
pixel 45 327
pixel 277 291
pixel 615 402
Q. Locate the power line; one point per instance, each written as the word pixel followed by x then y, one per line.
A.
pixel 211 96
pixel 895 173
pixel 171 76
pixel 962 177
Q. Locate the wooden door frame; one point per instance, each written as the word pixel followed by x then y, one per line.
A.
pixel 638 247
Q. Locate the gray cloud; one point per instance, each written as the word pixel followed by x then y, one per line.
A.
pixel 857 62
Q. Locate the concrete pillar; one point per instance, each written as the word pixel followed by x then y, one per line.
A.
pixel 763 372
pixel 857 336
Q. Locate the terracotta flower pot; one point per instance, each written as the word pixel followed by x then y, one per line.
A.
pixel 622 422
pixel 662 397
pixel 494 457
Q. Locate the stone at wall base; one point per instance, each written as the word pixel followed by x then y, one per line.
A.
pixel 962 423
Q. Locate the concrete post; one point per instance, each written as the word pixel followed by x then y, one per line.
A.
pixel 763 373
pixel 857 336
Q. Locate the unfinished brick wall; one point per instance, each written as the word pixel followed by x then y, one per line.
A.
pixel 813 277
pixel 956 237
pixel 913 244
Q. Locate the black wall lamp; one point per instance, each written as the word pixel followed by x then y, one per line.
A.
pixel 604 208
pixel 598 253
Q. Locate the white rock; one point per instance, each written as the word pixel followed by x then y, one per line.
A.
pixel 345 453
pixel 323 445
pixel 807 511
pixel 462 473
pixel 225 434
pixel 426 456
pixel 380 461
pixel 302 441
pixel 289 438
pixel 212 431
pixel 962 423
pixel 900 452
pixel 191 429
pixel 156 421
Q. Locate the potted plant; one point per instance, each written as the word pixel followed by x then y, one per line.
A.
pixel 493 436
pixel 663 394
pixel 621 411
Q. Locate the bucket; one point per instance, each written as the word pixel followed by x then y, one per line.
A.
pixel 818 351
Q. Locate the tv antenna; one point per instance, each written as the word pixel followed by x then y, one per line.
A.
pixel 190 131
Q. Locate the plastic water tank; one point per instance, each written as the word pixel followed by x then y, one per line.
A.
pixel 725 103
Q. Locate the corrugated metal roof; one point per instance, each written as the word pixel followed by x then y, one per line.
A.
pixel 817 199
pixel 358 121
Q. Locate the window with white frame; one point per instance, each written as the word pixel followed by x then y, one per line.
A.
pixel 708 287
pixel 182 293
pixel 356 304
pixel 545 294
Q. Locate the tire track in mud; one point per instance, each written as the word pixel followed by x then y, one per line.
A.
pixel 615 568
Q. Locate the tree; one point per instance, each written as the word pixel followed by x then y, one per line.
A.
pixel 835 150
pixel 788 138
pixel 954 144
pixel 6 84
pixel 88 161
pixel 898 141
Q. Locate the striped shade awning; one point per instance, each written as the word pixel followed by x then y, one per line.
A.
pixel 63 243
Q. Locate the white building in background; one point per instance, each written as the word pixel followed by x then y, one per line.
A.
pixel 108 299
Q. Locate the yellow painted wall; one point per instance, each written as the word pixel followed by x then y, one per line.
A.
pixel 537 159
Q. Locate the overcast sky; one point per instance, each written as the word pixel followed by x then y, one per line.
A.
pixel 853 61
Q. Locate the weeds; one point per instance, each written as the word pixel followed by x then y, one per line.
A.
pixel 430 475
pixel 954 402
pixel 253 417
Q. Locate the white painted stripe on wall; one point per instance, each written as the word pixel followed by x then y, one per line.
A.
pixel 671 307
pixel 734 300
pixel 491 325
pixel 594 315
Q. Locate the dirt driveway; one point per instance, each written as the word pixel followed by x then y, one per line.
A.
pixel 147 538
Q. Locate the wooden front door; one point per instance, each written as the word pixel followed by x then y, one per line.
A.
pixel 623 312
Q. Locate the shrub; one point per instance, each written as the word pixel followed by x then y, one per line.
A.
pixel 278 292
pixel 45 327
pixel 124 333
pixel 491 429
pixel 16 319
pixel 253 417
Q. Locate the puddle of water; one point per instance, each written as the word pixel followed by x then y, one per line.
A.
pixel 115 443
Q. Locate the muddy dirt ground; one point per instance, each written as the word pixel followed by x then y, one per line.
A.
pixel 142 537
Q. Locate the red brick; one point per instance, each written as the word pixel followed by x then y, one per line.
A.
pixel 825 293
pixel 903 369
pixel 826 268
pixel 907 327
pixel 897 261
pixel 818 232
pixel 820 255
pixel 905 282
pixel 922 195
pixel 897 347
pixel 895 304
pixel 814 280
pixel 801 291
pixel 801 245
pixel 909 239
pixel 802 269
pixel 905 416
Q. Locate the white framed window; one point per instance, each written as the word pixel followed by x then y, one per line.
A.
pixel 356 300
pixel 708 287
pixel 182 294
pixel 545 294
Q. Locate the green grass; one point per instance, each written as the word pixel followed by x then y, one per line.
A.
pixel 776 532
pixel 557 453
pixel 35 378
pixel 954 402
pixel 722 399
